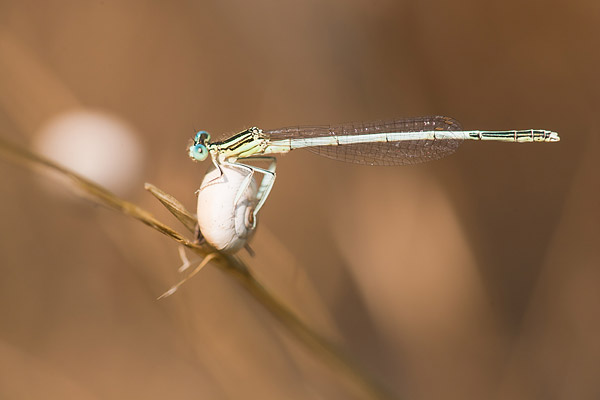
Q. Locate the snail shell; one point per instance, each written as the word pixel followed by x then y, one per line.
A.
pixel 226 226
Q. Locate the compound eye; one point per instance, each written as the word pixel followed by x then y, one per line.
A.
pixel 198 152
pixel 201 137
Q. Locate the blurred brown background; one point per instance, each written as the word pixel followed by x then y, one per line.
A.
pixel 471 277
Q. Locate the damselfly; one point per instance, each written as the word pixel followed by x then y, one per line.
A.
pixel 396 142
pixel 229 198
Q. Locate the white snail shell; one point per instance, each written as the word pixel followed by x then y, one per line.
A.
pixel 226 226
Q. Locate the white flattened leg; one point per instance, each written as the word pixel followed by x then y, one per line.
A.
pixel 265 185
pixel 247 179
pixel 186 262
pixel 217 179
pixel 174 288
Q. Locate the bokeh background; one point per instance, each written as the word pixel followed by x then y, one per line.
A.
pixel 476 276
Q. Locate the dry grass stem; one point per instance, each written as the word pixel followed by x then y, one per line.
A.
pixel 235 267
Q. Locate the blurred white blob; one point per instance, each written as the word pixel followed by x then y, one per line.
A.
pixel 95 144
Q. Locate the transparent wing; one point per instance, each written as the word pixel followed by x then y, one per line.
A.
pixel 390 153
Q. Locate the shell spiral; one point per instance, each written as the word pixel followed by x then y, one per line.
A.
pixel 226 225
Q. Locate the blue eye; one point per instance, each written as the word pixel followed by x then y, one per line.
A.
pixel 198 152
pixel 201 137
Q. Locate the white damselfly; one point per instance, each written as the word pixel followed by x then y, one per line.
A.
pixel 396 142
pixel 229 198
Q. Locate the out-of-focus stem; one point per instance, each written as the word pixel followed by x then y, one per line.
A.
pixel 234 266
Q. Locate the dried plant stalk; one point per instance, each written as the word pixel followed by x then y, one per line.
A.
pixel 234 266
